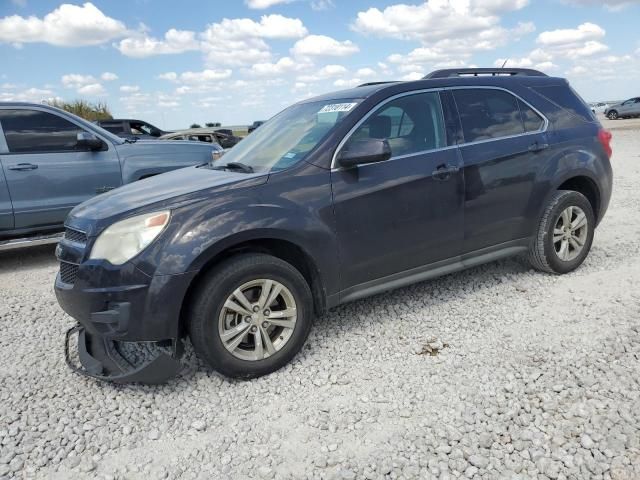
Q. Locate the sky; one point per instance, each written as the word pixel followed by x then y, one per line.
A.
pixel 174 63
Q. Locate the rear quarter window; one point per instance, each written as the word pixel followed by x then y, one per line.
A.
pixel 564 97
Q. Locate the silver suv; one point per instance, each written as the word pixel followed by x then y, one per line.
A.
pixel 627 109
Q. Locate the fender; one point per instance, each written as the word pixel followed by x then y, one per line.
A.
pixel 570 161
pixel 201 231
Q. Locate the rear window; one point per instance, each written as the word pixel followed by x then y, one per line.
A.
pixel 487 113
pixel 564 97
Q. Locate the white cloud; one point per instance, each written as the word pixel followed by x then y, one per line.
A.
pixel 347 83
pixel 262 4
pixel 109 77
pixel 75 80
pixel 67 26
pixel 36 95
pixel 586 31
pixel 93 89
pixel 175 41
pixel 204 76
pixel 434 20
pixel 282 66
pixel 613 5
pixel 328 71
pixel 129 88
pixel 171 76
pixel 322 45
pixel 230 42
pixel 320 5
pixel 409 77
pixel 366 72
pixel 19 3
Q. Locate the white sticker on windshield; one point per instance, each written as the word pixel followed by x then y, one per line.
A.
pixel 337 107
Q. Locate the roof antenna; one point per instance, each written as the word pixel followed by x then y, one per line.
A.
pixel 505 62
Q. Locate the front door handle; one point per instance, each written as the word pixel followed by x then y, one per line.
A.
pixel 443 172
pixel 538 147
pixel 21 167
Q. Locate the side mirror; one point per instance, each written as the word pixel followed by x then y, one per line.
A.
pixel 368 150
pixel 89 141
pixel 156 133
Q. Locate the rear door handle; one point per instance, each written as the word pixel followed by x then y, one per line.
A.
pixel 538 147
pixel 444 171
pixel 23 166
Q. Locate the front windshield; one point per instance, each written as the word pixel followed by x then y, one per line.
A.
pixel 288 137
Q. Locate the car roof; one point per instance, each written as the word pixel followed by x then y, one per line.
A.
pixel 370 89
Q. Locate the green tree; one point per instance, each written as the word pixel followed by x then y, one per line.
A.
pixel 82 108
pixel 213 124
pixel 195 125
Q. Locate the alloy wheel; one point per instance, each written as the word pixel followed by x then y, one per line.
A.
pixel 257 319
pixel 570 233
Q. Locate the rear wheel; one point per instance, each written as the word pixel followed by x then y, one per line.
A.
pixel 250 315
pixel 564 235
pixel 612 115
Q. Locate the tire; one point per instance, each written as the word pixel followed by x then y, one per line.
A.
pixel 552 257
pixel 209 317
pixel 612 115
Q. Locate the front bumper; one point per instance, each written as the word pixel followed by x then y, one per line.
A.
pixel 124 304
pixel 118 304
pixel 102 359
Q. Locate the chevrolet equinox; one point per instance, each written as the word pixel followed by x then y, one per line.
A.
pixel 334 199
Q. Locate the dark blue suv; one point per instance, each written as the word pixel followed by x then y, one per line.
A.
pixel 336 198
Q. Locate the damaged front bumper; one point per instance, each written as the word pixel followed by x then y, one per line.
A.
pixel 104 359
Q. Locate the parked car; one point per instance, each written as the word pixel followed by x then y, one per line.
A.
pixel 336 198
pixel 209 135
pixel 255 125
pixel 599 107
pixel 51 160
pixel 627 109
pixel 129 128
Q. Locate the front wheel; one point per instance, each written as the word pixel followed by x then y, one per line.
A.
pixel 564 234
pixel 250 316
pixel 612 115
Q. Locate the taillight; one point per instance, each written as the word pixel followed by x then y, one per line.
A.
pixel 605 139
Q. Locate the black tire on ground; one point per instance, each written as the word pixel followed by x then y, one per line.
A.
pixel 542 252
pixel 612 115
pixel 212 292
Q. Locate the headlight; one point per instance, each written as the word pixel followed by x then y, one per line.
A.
pixel 123 240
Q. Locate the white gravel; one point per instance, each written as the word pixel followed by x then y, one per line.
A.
pixel 496 372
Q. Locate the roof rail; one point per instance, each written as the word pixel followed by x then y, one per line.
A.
pixel 476 72
pixel 369 84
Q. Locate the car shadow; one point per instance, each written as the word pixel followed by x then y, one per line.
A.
pixel 27 258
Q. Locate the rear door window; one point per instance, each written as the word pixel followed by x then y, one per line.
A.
pixel 34 131
pixel 532 121
pixel 487 114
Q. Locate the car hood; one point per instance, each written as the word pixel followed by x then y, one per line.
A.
pixel 166 191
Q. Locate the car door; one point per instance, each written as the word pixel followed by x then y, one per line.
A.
pixel 635 110
pixel 504 146
pixel 627 108
pixel 405 212
pixel 46 172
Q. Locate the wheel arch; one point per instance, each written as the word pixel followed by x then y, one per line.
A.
pixel 586 186
pixel 284 249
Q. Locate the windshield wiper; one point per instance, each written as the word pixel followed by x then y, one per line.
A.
pixel 243 167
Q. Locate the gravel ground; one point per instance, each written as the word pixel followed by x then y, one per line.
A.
pixel 496 372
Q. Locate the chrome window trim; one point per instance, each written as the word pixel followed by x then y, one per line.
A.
pixel 335 167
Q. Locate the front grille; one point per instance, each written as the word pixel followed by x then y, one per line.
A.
pixel 75 236
pixel 68 273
